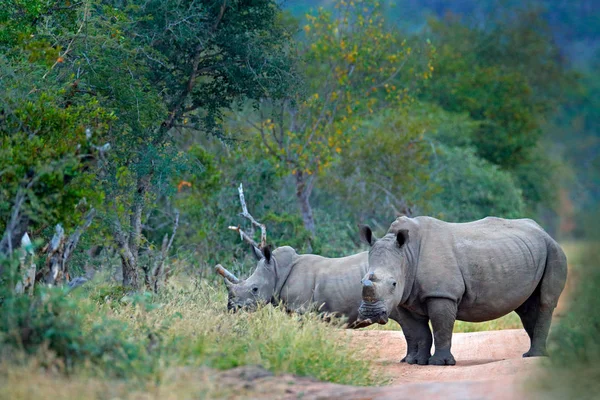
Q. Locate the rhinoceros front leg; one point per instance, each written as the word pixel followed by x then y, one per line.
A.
pixel 417 334
pixel 442 313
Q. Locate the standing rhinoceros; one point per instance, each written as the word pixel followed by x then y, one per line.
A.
pixel 426 270
pixel 302 283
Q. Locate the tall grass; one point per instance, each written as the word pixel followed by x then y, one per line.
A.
pixel 100 335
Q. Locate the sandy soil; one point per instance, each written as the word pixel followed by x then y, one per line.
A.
pixel 489 366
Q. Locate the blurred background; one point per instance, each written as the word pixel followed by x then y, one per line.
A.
pixel 330 113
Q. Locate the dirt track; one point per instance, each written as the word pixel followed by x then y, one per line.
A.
pixel 479 355
pixel 489 366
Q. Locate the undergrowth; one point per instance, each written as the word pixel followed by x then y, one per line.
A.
pixel 98 334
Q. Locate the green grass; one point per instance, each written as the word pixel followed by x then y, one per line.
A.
pixel 105 337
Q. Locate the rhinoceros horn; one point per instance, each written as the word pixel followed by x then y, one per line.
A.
pixel 226 274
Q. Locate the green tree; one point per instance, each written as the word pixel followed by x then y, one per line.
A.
pixel 350 64
pixel 471 188
pixel 507 75
pixel 159 67
pixel 49 147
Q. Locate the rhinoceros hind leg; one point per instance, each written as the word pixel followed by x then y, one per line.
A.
pixel 442 313
pixel 536 312
pixel 536 321
pixel 442 357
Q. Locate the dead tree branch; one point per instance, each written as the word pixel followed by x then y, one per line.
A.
pixel 55 251
pixel 60 250
pixel 246 214
pixel 71 244
pixel 244 236
pixel 153 281
pixel 27 281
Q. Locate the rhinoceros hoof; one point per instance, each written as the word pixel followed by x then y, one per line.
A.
pixel 416 359
pixel 442 359
pixel 536 353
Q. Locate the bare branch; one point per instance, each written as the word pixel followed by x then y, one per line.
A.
pixel 246 214
pixel 220 17
pixel 68 49
pixel 157 271
pixel 74 238
pixel 55 251
pixel 6 243
pixel 27 281
pixel 244 236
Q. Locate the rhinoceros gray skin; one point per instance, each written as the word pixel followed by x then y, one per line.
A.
pixel 427 270
pixel 303 283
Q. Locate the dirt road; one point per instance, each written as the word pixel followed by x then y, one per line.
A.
pixel 489 367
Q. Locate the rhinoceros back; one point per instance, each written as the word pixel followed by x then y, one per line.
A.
pixel 330 285
pixel 490 267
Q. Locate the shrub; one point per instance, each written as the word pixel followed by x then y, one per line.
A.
pixel 573 371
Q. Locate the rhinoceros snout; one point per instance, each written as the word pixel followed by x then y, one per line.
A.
pixel 234 307
pixel 373 312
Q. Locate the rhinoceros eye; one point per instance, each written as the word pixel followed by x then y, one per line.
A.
pixel 394 284
pixel 254 290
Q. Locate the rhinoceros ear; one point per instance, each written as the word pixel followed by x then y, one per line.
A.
pixel 267 252
pixel 402 237
pixel 366 235
pixel 258 254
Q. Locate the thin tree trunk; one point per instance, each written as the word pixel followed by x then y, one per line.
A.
pixel 130 270
pixel 129 247
pixel 304 187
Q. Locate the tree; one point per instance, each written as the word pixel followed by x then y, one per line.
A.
pixel 509 76
pixel 351 66
pixel 471 188
pixel 48 148
pixel 161 67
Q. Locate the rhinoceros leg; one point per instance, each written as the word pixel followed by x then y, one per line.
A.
pixel 418 336
pixel 536 312
pixel 536 321
pixel 442 313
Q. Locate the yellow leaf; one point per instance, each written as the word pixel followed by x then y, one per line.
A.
pixel 338 150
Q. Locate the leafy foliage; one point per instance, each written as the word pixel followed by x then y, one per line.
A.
pixel 472 188
pixel 572 371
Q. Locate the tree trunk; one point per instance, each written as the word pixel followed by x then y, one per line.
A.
pixel 304 187
pixel 130 270
pixel 129 247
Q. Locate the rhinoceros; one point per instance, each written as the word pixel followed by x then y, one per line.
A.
pixel 302 283
pixel 425 270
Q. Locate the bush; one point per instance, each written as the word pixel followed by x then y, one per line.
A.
pixel 100 331
pixel 573 371
pixel 472 188
pixel 61 323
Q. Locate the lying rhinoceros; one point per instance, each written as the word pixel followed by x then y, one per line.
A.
pixel 302 283
pixel 426 270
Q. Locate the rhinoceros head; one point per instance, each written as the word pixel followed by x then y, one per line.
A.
pixel 383 285
pixel 258 288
